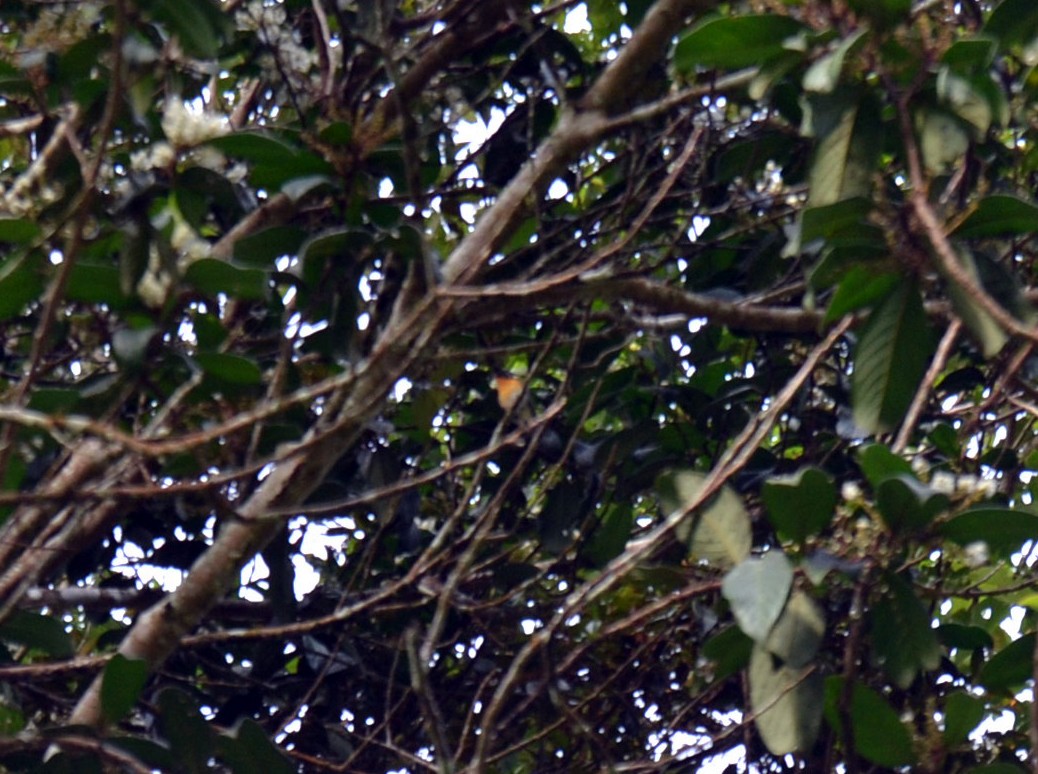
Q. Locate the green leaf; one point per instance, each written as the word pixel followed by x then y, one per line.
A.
pixel 233 369
pixel 250 750
pixel 902 639
pixel 999 215
pixel 18 230
pixel 965 100
pixel 20 283
pixel 849 139
pixel 798 633
pixel 757 589
pixel 734 42
pixel 861 287
pixel 274 161
pixel 197 23
pixel 40 632
pixel 1011 667
pixel 186 731
pixel 984 328
pixel 787 703
pixel 962 714
pixel 824 75
pixel 612 534
pixel 720 531
pixel 964 637
pixel 800 505
pixel 970 55
pixel 12 720
pixel 1013 21
pixel 907 504
pixel 879 735
pixel 122 681
pixel 212 276
pixel 94 283
pixel 890 360
pixel 944 139
pixel 730 651
pixel 878 464
pixel 263 248
pixel 1003 529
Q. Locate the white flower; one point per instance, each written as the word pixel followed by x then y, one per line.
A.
pixel 943 482
pixel 850 491
pixel 185 128
pixel 159 155
pixel 977 553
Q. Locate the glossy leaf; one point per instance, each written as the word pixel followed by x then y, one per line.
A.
pixel 800 505
pixel 999 215
pixel 878 733
pixel 1004 530
pixel 962 713
pixel 1011 667
pixel 890 359
pixel 232 369
pixel 902 637
pixel 733 42
pixel 824 75
pixel 213 276
pixel 121 684
pixel 40 632
pixel 849 137
pixel 907 504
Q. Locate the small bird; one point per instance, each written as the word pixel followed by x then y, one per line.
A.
pixel 509 390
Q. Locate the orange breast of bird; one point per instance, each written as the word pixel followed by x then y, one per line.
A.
pixel 508 388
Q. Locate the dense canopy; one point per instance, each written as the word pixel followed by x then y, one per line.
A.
pixel 451 385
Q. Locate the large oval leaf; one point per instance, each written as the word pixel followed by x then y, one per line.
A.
pixel 890 360
pixel 720 532
pixel 787 703
pixel 757 590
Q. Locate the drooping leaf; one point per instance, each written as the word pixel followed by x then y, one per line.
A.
pixel 797 635
pixel 18 230
pixel 902 637
pixel 1013 22
pixel 233 369
pixel 185 729
pixel 199 24
pixel 907 504
pixel 730 651
pixel 757 590
pixel 213 276
pixel 890 359
pixel 1011 667
pixel 999 215
pixel 962 713
pixel 824 75
pixel 878 733
pixel 121 684
pixel 720 531
pixel 944 139
pixel 787 703
pixel 800 505
pixel 1004 530
pixel 849 138
pixel 20 283
pixel 41 632
pixel 733 42
pixel 249 749
pixel 859 289
pixel 878 463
